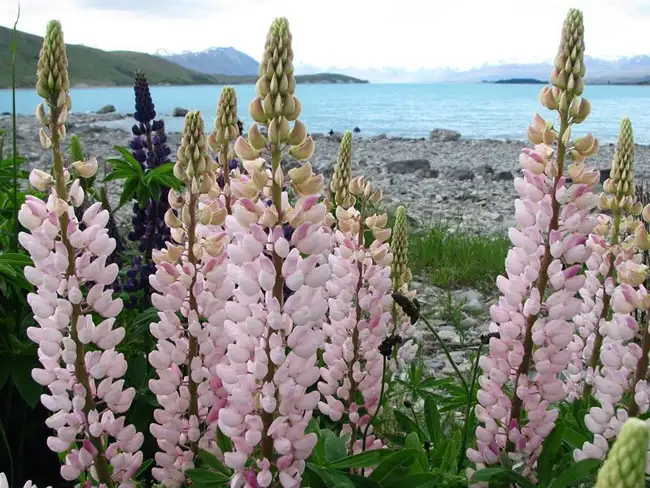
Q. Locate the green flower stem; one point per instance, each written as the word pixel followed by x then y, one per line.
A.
pixel 448 354
pixel 468 409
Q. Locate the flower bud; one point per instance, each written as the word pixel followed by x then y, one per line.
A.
pixel 244 150
pixel 52 69
pixel 175 199
pixel 303 151
pixel 172 221
pixel 86 169
pixel 46 142
pixel 274 132
pixel 255 138
pixel 41 115
pixel 547 98
pixel 301 174
pixel 257 112
pixel 298 133
pixel 580 109
pixel 40 179
pixel 225 124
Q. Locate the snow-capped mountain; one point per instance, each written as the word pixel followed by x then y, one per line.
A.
pixel 634 69
pixel 215 60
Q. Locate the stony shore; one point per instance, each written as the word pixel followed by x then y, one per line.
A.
pixel 465 182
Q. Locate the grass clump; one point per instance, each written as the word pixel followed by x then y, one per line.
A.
pixel 460 258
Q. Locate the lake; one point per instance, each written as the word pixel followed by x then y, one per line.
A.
pixel 474 110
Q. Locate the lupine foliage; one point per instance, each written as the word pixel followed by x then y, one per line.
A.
pixel 282 348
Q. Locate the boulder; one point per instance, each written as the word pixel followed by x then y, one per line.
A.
pixel 180 112
pixel 356 130
pixel 461 174
pixel 317 136
pixel 503 176
pixel 379 137
pixel 604 174
pixel 409 166
pixel 106 109
pixel 444 135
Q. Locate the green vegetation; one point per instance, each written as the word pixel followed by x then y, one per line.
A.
pixel 94 67
pixel 460 258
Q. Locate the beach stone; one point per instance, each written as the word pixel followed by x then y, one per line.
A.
pixel 409 166
pixel 106 109
pixel 462 174
pixel 337 136
pixel 469 323
pixel 444 135
pixel 180 112
pixel 356 130
pixel 484 170
pixel 449 335
pixel 317 136
pixel 379 137
pixel 503 176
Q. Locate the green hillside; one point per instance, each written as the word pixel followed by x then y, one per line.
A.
pixel 94 67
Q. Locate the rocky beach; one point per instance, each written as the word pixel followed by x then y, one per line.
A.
pixel 464 182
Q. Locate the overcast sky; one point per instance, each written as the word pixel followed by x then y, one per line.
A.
pixel 408 34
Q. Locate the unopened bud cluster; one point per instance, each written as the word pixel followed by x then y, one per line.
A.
pixel 343 173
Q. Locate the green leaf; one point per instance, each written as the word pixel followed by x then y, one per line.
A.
pixel 412 441
pixel 213 462
pixel 432 419
pixel 576 473
pixel 128 158
pixel 130 186
pixel 223 442
pixel 331 477
pixel 502 474
pixel 21 374
pixel 205 476
pixel 4 372
pixel 415 481
pixel 393 466
pixel 366 459
pixel 550 449
pixel 407 424
pixel 449 460
pixel 137 371
pixel 16 259
pixel 335 448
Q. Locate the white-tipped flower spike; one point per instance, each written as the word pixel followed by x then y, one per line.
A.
pixel 401 273
pixel 278 262
pixel 192 288
pixel 225 124
pixel 626 462
pixel 527 370
pixel 72 278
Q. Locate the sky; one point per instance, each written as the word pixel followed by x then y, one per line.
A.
pixel 407 34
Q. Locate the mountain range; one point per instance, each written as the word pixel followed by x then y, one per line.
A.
pixel 632 70
pixel 95 67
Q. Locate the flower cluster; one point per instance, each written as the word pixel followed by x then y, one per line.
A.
pixel 80 365
pixel 539 295
pixel 190 280
pixel 360 305
pixel 149 148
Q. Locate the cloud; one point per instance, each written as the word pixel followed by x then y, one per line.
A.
pixel 410 34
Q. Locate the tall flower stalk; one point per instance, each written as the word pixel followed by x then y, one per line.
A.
pixel 539 295
pixel 192 288
pixel 71 278
pixel 360 316
pixel 280 300
pixel 149 147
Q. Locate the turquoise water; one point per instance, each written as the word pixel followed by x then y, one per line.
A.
pixel 475 110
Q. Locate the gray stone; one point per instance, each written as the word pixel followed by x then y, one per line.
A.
pixel 473 306
pixel 449 335
pixel 180 112
pixel 317 136
pixel 467 295
pixel 503 176
pixel 336 136
pixel 462 174
pixel 409 166
pixel 469 323
pixel 444 135
pixel 379 137
pixel 484 170
pixel 106 109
